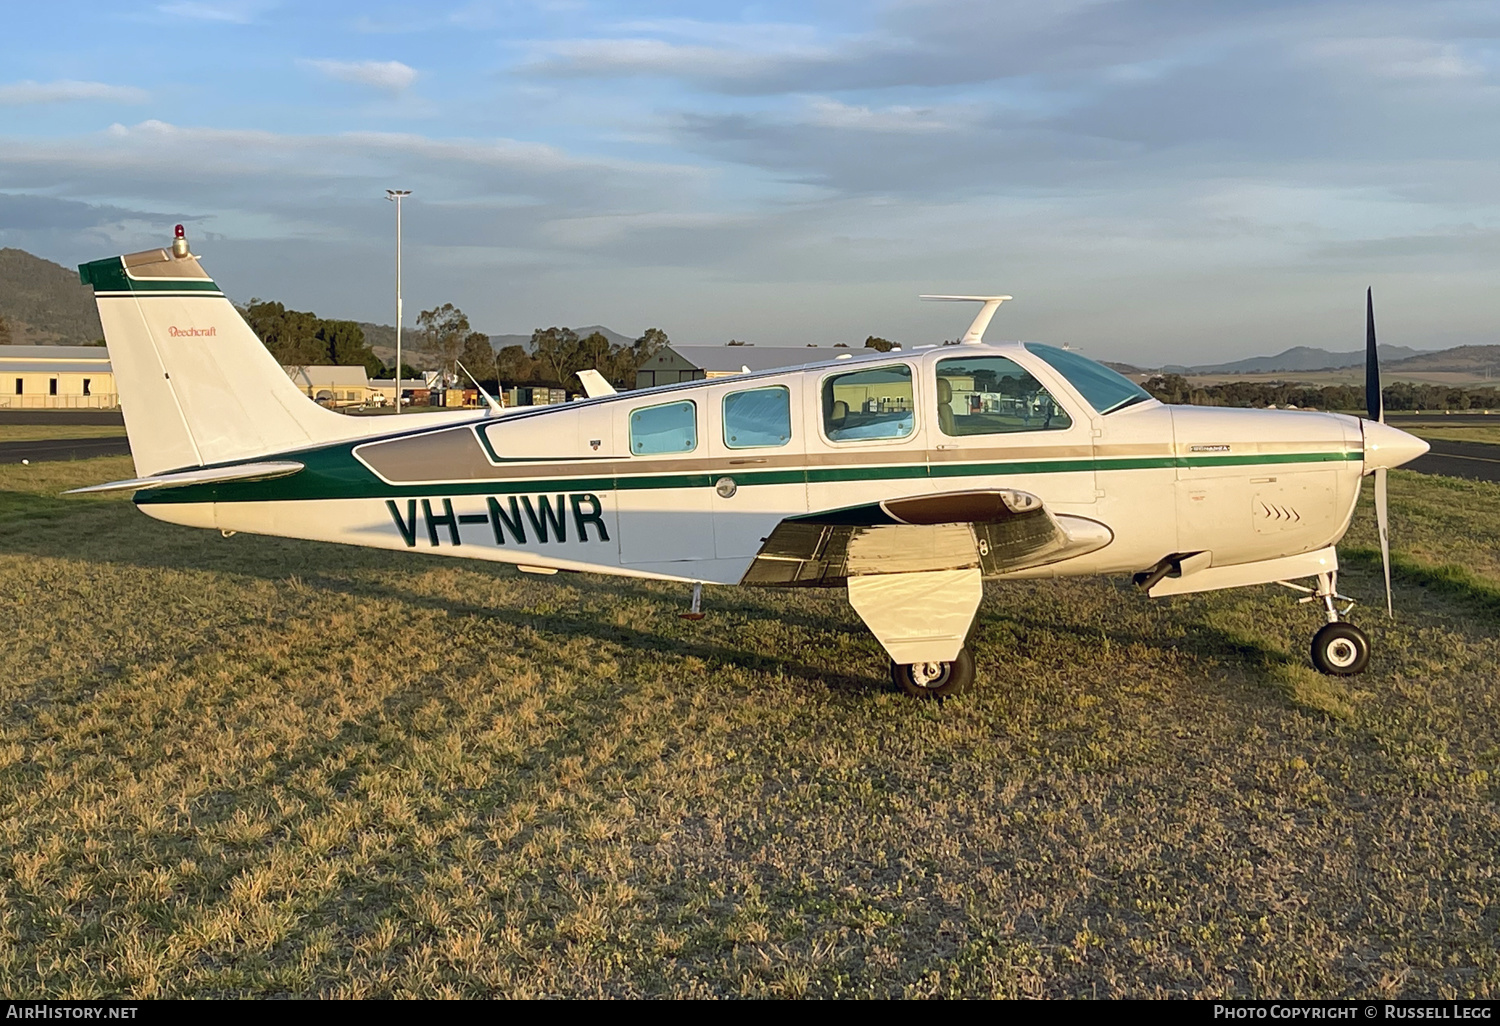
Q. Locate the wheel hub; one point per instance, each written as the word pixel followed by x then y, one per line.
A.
pixel 924 674
pixel 1342 652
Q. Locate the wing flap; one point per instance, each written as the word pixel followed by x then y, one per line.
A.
pixel 1000 532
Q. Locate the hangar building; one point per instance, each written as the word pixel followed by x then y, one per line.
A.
pixel 56 377
pixel 690 363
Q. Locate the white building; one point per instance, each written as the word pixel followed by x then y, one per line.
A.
pixel 56 377
pixel 334 386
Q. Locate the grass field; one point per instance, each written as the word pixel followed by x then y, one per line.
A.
pixel 1477 433
pixel 249 766
pixel 40 432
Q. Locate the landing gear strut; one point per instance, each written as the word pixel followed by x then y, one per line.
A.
pixel 1339 649
pixel 935 680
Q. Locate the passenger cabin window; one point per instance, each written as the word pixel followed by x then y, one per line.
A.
pixel 672 427
pixel 991 395
pixel 868 404
pixel 758 418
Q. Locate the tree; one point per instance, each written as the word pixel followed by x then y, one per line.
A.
pixel 478 356
pixel 444 330
pixel 4 332
pixel 344 343
pixel 882 344
pixel 300 339
pixel 290 335
pixel 555 349
pixel 515 365
pixel 651 341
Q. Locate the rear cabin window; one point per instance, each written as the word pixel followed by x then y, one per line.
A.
pixel 758 418
pixel 671 427
pixel 991 395
pixel 868 404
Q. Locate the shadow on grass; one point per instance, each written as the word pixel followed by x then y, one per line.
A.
pixel 64 529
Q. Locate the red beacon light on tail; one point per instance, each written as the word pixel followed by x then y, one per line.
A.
pixel 179 243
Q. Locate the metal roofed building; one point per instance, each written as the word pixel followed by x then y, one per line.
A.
pixel 692 363
pixel 56 377
pixel 331 384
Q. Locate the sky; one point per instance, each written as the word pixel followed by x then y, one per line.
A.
pixel 1153 180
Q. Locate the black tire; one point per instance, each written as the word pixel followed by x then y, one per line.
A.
pixel 1341 650
pixel 950 679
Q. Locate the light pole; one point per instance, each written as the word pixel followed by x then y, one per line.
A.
pixel 396 196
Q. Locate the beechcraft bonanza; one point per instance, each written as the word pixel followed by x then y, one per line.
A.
pixel 906 478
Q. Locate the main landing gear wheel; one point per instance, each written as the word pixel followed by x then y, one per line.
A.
pixel 935 680
pixel 1341 650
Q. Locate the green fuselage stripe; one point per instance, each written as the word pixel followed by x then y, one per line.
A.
pixel 334 473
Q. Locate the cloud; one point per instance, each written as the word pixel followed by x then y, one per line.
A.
pixel 241 13
pixel 392 76
pixel 22 93
pixel 1397 57
pixel 289 186
pixel 22 212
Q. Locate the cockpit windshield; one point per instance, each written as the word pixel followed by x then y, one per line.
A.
pixel 1105 390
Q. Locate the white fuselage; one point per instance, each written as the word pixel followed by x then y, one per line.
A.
pixel 567 488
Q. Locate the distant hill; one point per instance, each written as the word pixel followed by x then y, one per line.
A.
pixel 44 303
pixel 1299 358
pixel 1460 359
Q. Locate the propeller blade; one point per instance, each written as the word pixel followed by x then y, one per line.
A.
pixel 1374 401
pixel 1382 521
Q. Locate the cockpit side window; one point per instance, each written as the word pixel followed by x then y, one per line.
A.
pixel 1103 389
pixel 869 404
pixel 991 395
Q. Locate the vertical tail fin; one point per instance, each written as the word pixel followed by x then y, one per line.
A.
pixel 196 386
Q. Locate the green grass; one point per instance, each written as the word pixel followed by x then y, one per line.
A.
pixel 250 766
pixel 39 432
pixel 1475 433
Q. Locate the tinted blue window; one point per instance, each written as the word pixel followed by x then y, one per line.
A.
pixel 661 429
pixel 1104 389
pixel 758 418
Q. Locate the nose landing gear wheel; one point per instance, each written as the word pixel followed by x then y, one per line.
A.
pixel 935 680
pixel 1341 650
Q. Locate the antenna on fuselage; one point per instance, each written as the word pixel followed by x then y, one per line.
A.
pixel 495 407
pixel 975 335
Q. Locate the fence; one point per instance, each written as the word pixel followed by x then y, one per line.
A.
pixel 107 401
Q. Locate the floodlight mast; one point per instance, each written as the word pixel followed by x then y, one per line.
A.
pixel 396 196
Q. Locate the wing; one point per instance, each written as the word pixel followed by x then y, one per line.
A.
pixel 998 532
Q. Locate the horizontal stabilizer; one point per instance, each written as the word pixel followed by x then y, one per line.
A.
pixel 208 475
pixel 594 384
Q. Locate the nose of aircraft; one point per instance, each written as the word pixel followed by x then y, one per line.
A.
pixel 1387 447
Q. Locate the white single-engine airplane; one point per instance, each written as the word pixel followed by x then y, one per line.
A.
pixel 906 477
